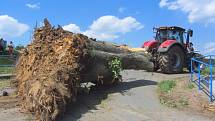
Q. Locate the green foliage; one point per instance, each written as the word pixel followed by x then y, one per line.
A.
pixel 19 47
pixel 116 66
pixel 166 85
pixel 206 71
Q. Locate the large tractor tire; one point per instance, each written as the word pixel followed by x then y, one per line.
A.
pixel 172 61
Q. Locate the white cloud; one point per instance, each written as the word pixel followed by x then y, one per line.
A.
pixel 199 11
pixel 33 6
pixel 170 5
pixel 121 9
pixel 101 35
pixel 110 27
pixel 72 27
pixel 10 27
pixel 209 48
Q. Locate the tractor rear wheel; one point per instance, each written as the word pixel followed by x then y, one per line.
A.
pixel 172 61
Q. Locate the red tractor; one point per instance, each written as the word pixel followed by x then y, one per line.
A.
pixel 171 49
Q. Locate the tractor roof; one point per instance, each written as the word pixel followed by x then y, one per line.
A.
pixel 171 28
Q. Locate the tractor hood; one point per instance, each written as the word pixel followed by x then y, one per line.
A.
pixel 150 44
pixel 167 43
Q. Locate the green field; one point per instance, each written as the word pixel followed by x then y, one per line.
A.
pixel 6 70
pixel 4 83
pixel 6 61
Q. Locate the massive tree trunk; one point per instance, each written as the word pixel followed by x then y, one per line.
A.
pixel 51 68
pixel 98 65
pixel 129 60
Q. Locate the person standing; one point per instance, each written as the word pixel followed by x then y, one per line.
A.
pixel 1 45
pixel 10 48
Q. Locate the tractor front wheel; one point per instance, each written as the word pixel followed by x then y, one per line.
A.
pixel 172 61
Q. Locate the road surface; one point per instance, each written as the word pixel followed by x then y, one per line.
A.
pixel 135 99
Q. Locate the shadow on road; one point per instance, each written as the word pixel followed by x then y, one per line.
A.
pixel 87 102
pixel 183 72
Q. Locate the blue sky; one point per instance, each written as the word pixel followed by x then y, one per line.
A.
pixel 120 21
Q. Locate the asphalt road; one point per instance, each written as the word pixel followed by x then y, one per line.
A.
pixel 135 99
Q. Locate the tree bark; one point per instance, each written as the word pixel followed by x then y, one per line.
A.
pixel 98 64
pixel 106 47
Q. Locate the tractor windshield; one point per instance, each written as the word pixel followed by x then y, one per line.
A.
pixel 163 35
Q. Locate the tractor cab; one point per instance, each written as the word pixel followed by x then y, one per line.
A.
pixel 169 33
pixel 178 34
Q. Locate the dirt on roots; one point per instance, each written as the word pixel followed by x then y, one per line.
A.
pixel 48 71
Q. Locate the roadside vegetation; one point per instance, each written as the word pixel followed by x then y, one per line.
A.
pixel 4 63
pixel 184 95
pixel 167 85
pixel 169 93
pixel 206 71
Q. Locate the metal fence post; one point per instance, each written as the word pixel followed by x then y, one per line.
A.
pixel 191 70
pixel 211 83
pixel 199 76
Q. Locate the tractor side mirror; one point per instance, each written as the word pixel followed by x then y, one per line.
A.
pixel 190 32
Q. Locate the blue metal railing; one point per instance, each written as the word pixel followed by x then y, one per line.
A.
pixel 204 81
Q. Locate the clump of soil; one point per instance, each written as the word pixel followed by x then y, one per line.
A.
pixel 48 71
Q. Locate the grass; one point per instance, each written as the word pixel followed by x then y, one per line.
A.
pixel 6 70
pixel 166 94
pixel 206 71
pixel 4 83
pixel 166 85
pixel 6 61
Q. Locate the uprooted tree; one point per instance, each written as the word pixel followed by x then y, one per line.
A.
pixel 51 68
